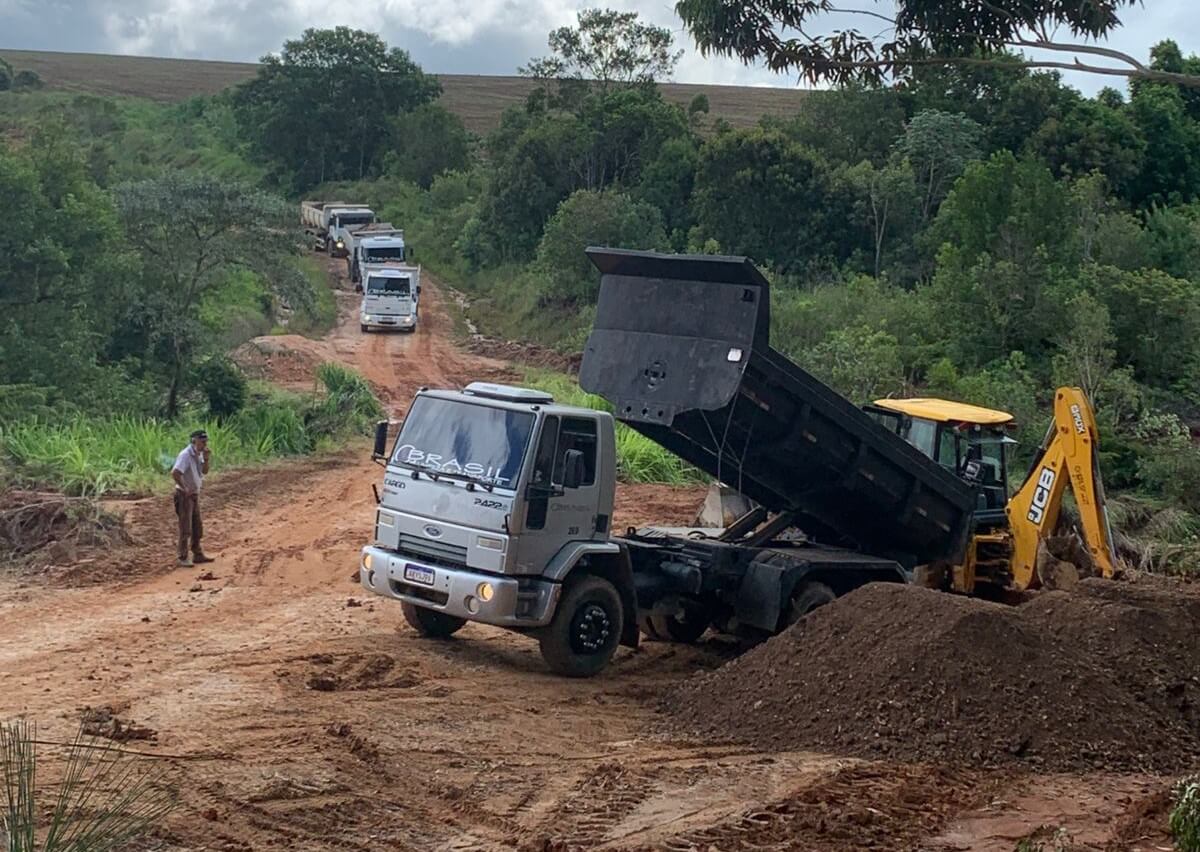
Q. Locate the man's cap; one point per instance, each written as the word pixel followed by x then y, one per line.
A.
pixel 199 433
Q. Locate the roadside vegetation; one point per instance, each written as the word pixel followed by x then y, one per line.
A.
pixel 978 231
pixel 1185 816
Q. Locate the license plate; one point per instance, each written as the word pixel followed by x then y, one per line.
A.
pixel 417 574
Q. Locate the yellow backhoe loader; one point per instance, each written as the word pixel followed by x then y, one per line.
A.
pixel 1008 546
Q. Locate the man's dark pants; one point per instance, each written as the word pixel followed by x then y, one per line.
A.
pixel 187 507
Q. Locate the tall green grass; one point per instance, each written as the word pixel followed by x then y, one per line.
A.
pixel 91 456
pixel 638 458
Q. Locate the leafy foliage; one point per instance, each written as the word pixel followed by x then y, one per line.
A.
pixel 607 47
pixel 1185 816
pixel 321 110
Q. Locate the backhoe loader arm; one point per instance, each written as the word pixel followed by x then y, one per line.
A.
pixel 1069 451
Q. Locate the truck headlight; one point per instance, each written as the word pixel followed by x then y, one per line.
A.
pixel 485 592
pixel 366 561
pixel 341 244
pixel 366 317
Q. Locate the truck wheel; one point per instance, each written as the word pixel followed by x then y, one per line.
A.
pixel 675 628
pixel 806 597
pixel 429 622
pixel 365 329
pixel 586 628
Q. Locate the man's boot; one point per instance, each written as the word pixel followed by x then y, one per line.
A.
pixel 199 558
pixel 185 562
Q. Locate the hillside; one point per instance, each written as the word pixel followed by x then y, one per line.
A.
pixel 478 100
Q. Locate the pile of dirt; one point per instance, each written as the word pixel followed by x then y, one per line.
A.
pixel 105 722
pixel 360 671
pixel 529 354
pixel 1102 676
pixel 286 359
pixel 41 527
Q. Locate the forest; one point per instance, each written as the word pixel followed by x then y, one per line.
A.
pixel 982 232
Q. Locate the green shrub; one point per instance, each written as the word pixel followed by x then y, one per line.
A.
pixel 1185 816
pixel 349 406
pixel 223 385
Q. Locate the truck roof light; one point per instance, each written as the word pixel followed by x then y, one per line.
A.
pixel 508 393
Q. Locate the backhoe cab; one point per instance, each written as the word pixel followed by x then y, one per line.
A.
pixel 1010 535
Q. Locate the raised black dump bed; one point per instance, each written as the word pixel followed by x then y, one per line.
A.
pixel 681 348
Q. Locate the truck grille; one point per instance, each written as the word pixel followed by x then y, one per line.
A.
pixel 437 552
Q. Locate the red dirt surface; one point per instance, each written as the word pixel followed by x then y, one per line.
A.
pixel 288 718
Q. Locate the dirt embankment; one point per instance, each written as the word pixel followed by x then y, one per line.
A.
pixel 1104 676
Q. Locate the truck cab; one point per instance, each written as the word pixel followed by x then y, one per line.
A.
pixel 341 222
pixel 390 298
pixel 375 245
pixel 496 508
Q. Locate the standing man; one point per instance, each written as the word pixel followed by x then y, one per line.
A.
pixel 190 467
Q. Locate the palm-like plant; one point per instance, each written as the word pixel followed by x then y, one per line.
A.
pixel 106 798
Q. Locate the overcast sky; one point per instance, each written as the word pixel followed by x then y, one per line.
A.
pixel 447 36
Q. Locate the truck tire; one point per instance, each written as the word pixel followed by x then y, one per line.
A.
pixel 806 597
pixel 672 628
pixel 364 328
pixel 586 628
pixel 431 623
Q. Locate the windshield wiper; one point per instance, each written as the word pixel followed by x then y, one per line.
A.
pixel 471 481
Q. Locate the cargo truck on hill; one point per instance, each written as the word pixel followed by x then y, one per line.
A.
pixel 374 245
pixel 497 502
pixel 330 222
pixel 391 296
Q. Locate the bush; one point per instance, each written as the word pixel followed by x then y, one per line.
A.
pixel 223 385
pixel 1185 817
pixel 349 406
pixel 26 80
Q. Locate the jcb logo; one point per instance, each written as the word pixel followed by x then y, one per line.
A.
pixel 1077 416
pixel 1041 495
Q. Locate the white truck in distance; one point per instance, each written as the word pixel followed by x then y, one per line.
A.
pixel 374 245
pixel 330 222
pixel 390 297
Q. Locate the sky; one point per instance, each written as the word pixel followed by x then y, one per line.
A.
pixel 443 36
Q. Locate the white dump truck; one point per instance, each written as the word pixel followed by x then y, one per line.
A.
pixel 329 223
pixel 390 297
pixel 377 244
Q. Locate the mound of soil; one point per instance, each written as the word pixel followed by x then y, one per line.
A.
pixel 1103 676
pixel 356 672
pixel 286 359
pixel 104 722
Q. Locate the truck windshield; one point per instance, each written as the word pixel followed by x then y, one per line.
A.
pixel 383 255
pixel 453 437
pixel 350 219
pixel 388 286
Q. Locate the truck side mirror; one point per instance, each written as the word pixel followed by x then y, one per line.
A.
pixel 574 469
pixel 381 436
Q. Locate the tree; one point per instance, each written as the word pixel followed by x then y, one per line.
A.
pixel 889 202
pixel 849 125
pixel 1092 137
pixel 6 75
pixel 607 47
pixel 426 142
pixel 192 232
pixel 760 194
pixel 25 80
pixel 1171 167
pixel 593 218
pixel 919 33
pixel 938 146
pixel 321 109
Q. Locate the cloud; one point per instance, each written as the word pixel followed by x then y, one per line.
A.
pixel 447 36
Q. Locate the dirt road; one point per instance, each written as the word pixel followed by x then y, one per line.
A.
pixel 303 715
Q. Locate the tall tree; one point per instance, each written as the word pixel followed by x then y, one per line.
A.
pixel 607 47
pixel 192 233
pixel 938 146
pixel 320 110
pixel 783 35
pixel 426 142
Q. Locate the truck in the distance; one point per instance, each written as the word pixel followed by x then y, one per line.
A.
pixel 374 245
pixel 497 502
pixel 329 222
pixel 391 294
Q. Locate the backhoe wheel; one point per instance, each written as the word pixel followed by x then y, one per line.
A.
pixel 806 597
pixel 685 628
pixel 586 628
pixel 429 622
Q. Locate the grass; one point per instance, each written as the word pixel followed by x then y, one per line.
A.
pixel 638 458
pixel 106 798
pixel 1185 816
pixel 477 100
pixel 133 455
pixel 322 316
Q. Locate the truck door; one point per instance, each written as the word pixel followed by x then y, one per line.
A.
pixel 555 514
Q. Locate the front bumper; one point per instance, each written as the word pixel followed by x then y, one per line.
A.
pixel 527 602
pixel 384 321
